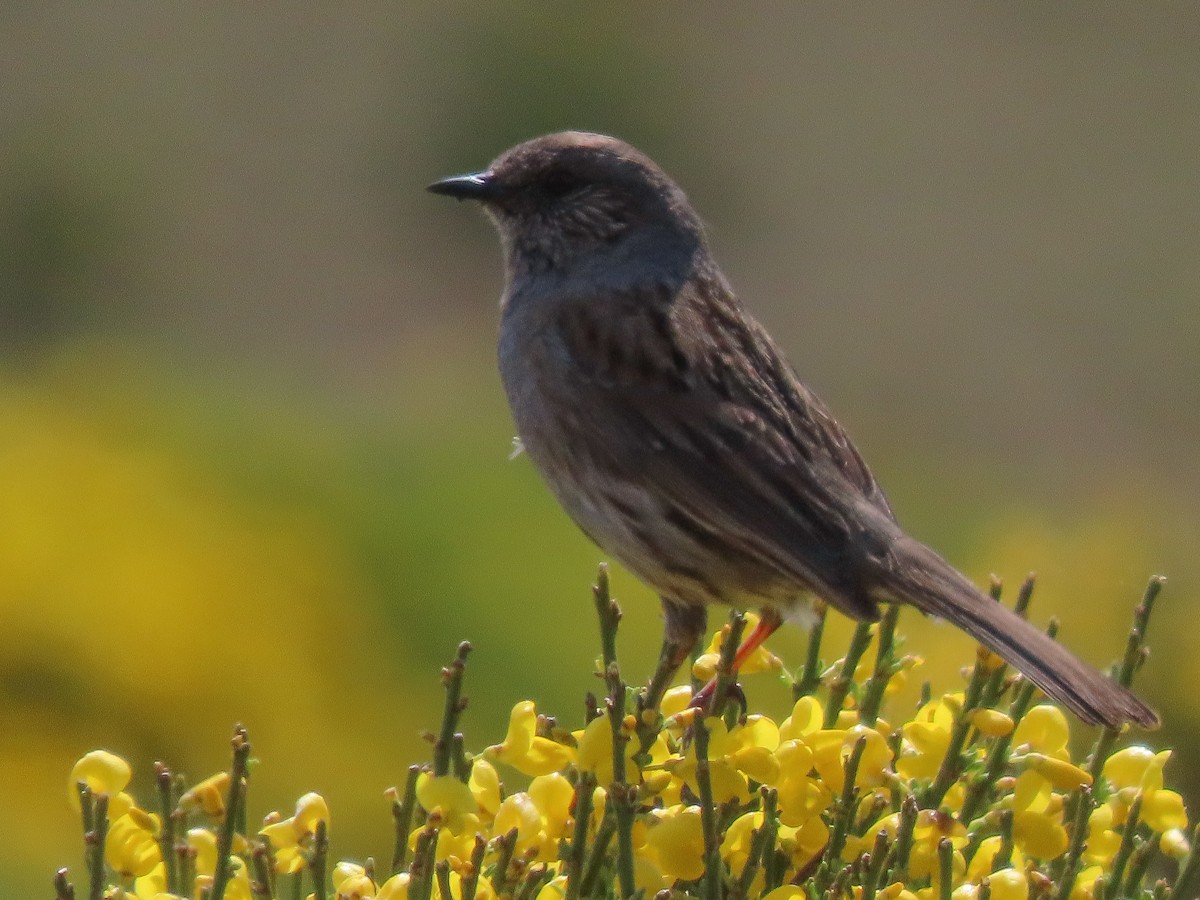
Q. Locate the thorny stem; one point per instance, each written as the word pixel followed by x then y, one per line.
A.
pixel 885 667
pixel 470 879
pixel 233 811
pixel 442 871
pixel 620 793
pixel 726 677
pixel 810 676
pixel 945 868
pixel 63 889
pixel 875 864
pixel 1121 860
pixel 320 858
pixel 584 789
pixel 95 845
pixel 845 678
pixel 166 836
pixel 1132 661
pixel 452 678
pixel 610 617
pixel 1187 872
pixel 1070 864
pixel 843 813
pixel 505 845
pixel 402 812
pixel 263 883
pixel 604 835
pixel 711 884
pixel 420 873
pixel 904 838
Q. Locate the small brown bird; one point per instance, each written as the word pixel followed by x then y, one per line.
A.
pixel 672 430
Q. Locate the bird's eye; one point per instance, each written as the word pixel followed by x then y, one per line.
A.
pixel 558 184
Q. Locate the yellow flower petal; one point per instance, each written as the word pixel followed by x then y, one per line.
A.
pixel 103 772
pixel 677 838
pixel 485 785
pixel 992 722
pixel 1127 767
pixel 1044 728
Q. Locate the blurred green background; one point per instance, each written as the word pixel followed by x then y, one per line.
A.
pixel 253 448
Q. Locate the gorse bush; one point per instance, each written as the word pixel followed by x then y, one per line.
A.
pixel 975 794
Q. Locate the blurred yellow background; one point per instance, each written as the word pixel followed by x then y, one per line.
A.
pixel 253 449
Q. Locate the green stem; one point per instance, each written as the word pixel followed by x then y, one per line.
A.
pixel 166 838
pixel 402 813
pixel 1187 872
pixel 233 806
pixel 885 667
pixel 584 790
pixel 1121 860
pixel 63 889
pixel 845 679
pixel 452 678
pixel 263 883
pixel 1070 867
pixel 470 879
pixel 945 869
pixel 96 839
pixel 712 882
pixel 595 863
pixel 810 678
pixel 320 859
pixel 726 676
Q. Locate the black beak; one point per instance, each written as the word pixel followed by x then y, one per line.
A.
pixel 479 186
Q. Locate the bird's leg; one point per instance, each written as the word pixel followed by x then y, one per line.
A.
pixel 768 623
pixel 683 627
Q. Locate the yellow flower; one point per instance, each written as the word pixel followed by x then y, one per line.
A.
pixel 1007 884
pixel 761 660
pixel 485 786
pixel 527 751
pixel 1037 817
pixel 806 719
pixel 289 836
pixel 831 750
pixel 238 886
pixel 676 837
pixel 800 796
pixel 676 700
pixel 595 752
pixel 981 862
pixel 103 773
pixel 351 882
pixel 552 796
pixel 734 757
pixel 931 829
pixel 208 796
pixel 1044 729
pixel 927 738
pixel 1062 774
pixel 992 722
pixel 1139 770
pixel 449 797
pixel 132 845
pixel 1174 843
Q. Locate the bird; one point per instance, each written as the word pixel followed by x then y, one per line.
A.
pixel 672 430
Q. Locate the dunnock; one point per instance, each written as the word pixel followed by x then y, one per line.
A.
pixel 671 429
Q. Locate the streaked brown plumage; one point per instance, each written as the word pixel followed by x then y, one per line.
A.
pixel 672 430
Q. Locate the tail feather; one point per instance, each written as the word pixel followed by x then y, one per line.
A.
pixel 924 580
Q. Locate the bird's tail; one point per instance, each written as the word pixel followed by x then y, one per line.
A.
pixel 925 580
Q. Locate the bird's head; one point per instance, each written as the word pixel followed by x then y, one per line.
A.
pixel 561 197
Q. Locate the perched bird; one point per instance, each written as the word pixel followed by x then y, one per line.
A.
pixel 673 431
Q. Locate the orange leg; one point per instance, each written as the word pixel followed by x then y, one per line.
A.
pixel 768 623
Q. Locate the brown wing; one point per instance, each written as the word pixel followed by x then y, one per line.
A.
pixel 699 400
